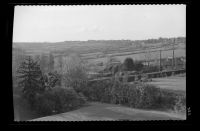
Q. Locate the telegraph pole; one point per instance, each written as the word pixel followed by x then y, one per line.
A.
pixel 173 61
pixel 160 60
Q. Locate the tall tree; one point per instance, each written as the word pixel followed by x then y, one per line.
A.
pixel 74 72
pixel 44 63
pixel 60 64
pixel 18 56
pixel 31 79
pixel 51 62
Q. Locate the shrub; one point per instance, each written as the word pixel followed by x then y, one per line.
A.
pixel 180 105
pixel 58 100
pixel 149 96
pixel 45 104
pixel 138 66
pixel 99 91
pixel 140 95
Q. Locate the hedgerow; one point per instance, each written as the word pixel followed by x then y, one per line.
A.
pixel 144 96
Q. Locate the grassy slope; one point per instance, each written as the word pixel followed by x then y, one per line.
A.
pixel 102 111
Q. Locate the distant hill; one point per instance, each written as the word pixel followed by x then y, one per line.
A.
pixel 92 46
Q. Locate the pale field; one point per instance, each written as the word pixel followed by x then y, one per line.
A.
pixel 141 56
pixel 173 82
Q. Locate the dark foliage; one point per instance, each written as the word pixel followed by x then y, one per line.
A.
pixel 138 66
pixel 52 79
pixel 31 80
pixel 58 100
pixel 135 95
pixel 149 69
pixel 128 64
pixel 131 65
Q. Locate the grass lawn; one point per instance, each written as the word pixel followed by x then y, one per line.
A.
pixel 103 111
pixel 173 82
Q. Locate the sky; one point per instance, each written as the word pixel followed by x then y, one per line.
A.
pixel 98 22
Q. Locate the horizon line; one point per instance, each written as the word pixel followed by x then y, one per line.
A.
pixel 96 40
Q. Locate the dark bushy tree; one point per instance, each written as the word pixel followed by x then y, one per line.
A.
pixel 128 64
pixel 31 79
pixel 52 79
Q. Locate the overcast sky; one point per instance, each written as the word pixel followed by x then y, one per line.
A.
pixel 62 23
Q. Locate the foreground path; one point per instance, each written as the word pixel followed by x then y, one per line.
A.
pixel 101 111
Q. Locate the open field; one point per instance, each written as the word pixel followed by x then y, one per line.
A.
pixel 140 56
pixel 99 51
pixel 102 111
pixel 173 82
pixel 89 48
